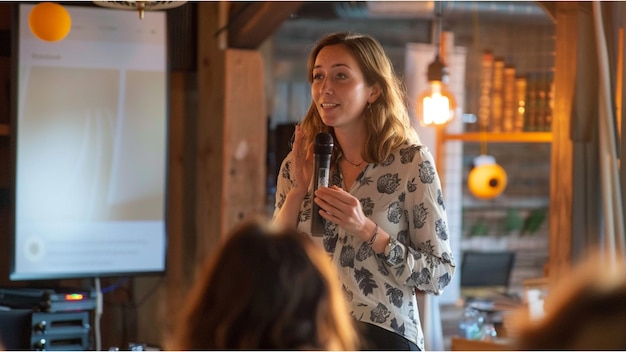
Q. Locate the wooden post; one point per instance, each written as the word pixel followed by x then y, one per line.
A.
pixel 561 175
pixel 246 147
pixel 231 133
pixel 211 140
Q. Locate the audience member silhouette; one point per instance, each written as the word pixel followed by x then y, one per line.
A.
pixel 266 288
pixel 584 311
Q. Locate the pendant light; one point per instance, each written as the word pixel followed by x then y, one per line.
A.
pixel 436 105
pixel 486 179
pixel 49 21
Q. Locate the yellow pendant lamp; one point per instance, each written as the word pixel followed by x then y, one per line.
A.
pixel 49 21
pixel 487 179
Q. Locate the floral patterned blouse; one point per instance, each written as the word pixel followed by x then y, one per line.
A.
pixel 403 196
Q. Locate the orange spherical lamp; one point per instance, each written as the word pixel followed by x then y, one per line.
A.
pixel 487 179
pixel 49 21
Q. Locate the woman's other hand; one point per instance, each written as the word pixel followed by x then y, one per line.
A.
pixel 343 209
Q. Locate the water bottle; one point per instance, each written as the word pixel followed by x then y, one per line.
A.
pixel 471 324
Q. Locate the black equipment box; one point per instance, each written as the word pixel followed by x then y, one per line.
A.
pixel 57 320
pixel 48 300
pixel 60 331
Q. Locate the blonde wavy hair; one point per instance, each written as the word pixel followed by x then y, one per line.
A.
pixel 387 120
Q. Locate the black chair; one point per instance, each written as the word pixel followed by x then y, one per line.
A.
pixel 489 269
pixel 485 282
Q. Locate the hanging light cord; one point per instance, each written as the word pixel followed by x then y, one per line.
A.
pixel 438 15
pixel 482 127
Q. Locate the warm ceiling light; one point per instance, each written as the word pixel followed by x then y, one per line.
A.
pixel 436 105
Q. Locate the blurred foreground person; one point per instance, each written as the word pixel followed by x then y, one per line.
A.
pixel 585 311
pixel 266 289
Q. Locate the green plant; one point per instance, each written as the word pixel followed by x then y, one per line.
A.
pixel 513 221
pixel 533 221
pixel 479 228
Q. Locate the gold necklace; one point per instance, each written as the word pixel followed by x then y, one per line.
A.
pixel 351 163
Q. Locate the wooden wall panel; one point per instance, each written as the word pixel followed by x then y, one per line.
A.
pixel 562 147
pixel 179 270
pixel 245 136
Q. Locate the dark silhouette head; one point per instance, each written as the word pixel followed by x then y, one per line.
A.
pixel 266 289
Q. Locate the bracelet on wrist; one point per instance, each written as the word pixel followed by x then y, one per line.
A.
pixel 371 241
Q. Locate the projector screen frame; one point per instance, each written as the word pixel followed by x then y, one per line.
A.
pixel 162 250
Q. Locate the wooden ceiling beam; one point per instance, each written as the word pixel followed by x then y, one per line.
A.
pixel 549 7
pixel 251 23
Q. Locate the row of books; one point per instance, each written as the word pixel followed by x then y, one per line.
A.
pixel 510 101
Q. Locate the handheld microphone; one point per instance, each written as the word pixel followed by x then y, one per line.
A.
pixel 322 150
